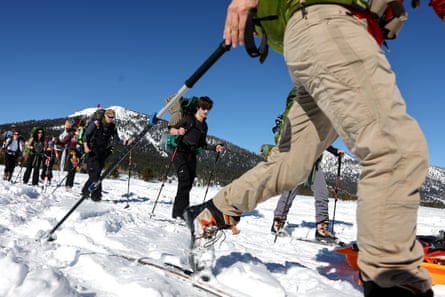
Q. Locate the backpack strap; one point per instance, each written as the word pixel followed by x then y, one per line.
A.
pixel 392 27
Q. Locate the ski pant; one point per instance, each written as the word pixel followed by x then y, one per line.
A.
pixel 10 163
pixel 95 164
pixel 71 173
pixel 321 198
pixel 348 89
pixel 32 165
pixel 47 168
pixel 185 165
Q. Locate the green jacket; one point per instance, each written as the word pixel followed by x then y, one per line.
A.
pixel 284 9
pixel 275 28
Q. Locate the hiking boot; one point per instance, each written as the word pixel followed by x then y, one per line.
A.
pixel 204 221
pixel 96 198
pixel 322 233
pixel 371 289
pixel 278 224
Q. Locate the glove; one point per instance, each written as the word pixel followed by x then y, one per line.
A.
pixel 109 151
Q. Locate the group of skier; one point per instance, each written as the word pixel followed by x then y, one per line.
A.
pixel 339 94
pixel 39 153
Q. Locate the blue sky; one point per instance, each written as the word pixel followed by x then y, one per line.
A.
pixel 60 56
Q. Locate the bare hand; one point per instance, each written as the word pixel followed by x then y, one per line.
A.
pixel 220 148
pixel 236 21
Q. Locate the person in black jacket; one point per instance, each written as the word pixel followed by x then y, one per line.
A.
pixel 97 144
pixel 193 132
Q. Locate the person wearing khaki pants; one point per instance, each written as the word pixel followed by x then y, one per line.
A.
pixel 346 89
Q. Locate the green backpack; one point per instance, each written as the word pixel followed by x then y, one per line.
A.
pixel 182 107
pixel 33 131
pixel 279 121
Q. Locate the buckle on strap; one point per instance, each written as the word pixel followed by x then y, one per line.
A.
pixel 249 36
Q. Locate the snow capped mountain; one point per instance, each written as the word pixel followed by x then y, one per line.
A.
pixel 235 160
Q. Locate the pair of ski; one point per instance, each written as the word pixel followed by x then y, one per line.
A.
pixel 210 286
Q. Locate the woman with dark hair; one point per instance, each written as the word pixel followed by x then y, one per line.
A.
pixel 35 148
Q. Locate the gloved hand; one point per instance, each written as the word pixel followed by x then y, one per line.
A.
pixel 109 151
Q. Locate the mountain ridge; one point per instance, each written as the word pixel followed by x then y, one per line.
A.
pixel 231 164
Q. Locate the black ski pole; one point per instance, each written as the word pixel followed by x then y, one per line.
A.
pixel 130 164
pixel 164 178
pixel 210 176
pixel 337 184
pixel 222 48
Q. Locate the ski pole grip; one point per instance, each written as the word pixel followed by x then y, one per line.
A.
pixel 222 48
pixel 339 166
pixel 153 119
pixel 92 187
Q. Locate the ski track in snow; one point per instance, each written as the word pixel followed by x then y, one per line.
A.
pixel 86 258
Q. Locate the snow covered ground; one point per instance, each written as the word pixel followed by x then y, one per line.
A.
pixel 86 261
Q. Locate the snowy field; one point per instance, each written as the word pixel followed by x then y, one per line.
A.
pixel 88 257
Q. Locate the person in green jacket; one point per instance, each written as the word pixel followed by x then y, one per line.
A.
pixel 346 89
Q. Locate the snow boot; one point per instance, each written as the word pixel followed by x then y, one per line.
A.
pixel 371 289
pixel 204 221
pixel 322 233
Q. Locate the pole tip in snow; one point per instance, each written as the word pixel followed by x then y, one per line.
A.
pixel 43 236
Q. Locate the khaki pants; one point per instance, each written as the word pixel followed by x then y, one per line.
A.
pixel 347 89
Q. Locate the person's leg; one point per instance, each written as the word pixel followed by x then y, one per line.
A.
pixel 182 199
pixel 283 206
pixel 351 80
pixel 321 196
pixel 285 201
pixel 36 170
pixel 321 201
pixel 97 167
pixel 70 175
pixel 185 170
pixel 93 173
pixel 9 166
pixel 27 173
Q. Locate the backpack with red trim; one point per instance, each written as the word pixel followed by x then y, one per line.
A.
pixel 433 247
